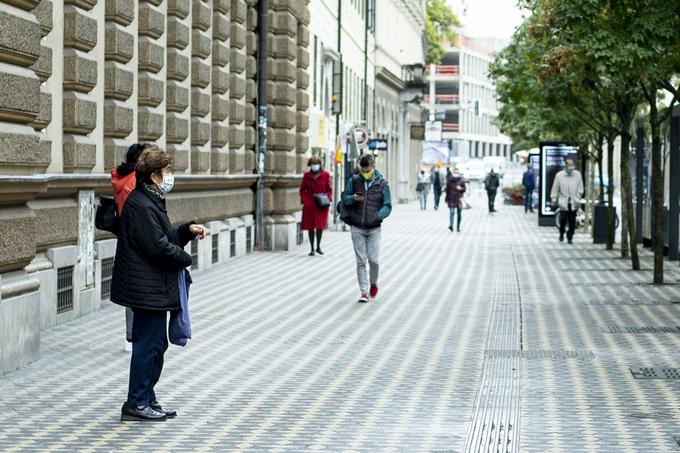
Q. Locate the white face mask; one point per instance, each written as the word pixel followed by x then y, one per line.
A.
pixel 166 185
pixel 315 168
pixel 455 175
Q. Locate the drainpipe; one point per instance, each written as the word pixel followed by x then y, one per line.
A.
pixel 262 27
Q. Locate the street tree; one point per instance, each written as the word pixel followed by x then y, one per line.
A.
pixel 440 21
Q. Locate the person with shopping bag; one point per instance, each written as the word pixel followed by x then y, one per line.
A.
pixel 316 196
pixel 455 188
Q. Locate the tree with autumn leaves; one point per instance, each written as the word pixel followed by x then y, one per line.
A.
pixel 581 70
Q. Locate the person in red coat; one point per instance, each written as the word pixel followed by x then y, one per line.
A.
pixel 314 218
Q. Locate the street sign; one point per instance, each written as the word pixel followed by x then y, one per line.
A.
pixel 417 131
pixel 378 144
pixel 361 135
pixel 433 131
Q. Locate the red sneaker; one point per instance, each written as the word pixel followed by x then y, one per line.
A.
pixel 363 298
pixel 374 290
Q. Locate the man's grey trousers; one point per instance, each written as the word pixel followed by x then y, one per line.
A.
pixel 366 248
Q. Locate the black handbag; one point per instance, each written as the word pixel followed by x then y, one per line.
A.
pixel 322 200
pixel 106 217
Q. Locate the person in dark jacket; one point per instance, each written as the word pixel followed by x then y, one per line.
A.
pixel 455 188
pixel 314 217
pixel 491 184
pixel 149 257
pixel 437 182
pixel 529 183
pixel 124 181
pixel 367 202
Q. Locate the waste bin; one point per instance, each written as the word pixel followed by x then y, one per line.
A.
pixel 600 224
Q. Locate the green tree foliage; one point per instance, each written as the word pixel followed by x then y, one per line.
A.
pixel 439 23
pixel 579 70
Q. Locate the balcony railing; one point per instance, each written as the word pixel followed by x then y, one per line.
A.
pixel 443 99
pixel 450 127
pixel 445 69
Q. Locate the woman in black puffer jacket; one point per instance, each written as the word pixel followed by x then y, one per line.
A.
pixel 149 256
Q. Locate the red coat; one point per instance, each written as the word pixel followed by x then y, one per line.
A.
pixel 313 217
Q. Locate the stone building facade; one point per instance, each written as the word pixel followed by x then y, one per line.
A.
pixel 81 80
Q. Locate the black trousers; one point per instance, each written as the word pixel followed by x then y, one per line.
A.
pixel 568 218
pixel 149 343
pixel 491 193
pixel 437 196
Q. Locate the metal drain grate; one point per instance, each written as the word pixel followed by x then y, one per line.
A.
pixel 539 354
pixel 630 302
pixel 655 373
pixel 643 329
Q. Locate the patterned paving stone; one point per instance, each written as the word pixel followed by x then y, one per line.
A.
pixel 497 325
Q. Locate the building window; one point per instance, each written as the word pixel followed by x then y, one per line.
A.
pixel 194 254
pixel 300 235
pixel 249 239
pixel 316 78
pixel 215 248
pixel 107 276
pixel 232 243
pixel 64 289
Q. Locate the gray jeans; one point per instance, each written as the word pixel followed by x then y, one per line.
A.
pixel 366 247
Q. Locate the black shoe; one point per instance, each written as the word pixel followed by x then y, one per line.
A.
pixel 130 413
pixel 450 227
pixel 458 229
pixel 311 253
pixel 155 405
pixel 319 251
pixel 561 237
pixel 569 241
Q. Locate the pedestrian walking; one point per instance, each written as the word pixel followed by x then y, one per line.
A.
pixel 316 196
pixel 455 188
pixel 124 181
pixel 438 180
pixel 565 195
pixel 423 189
pixel 491 183
pixel 529 183
pixel 146 277
pixel 367 203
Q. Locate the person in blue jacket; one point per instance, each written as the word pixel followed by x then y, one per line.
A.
pixel 529 183
pixel 367 202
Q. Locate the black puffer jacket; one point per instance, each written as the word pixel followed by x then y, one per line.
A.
pixel 149 254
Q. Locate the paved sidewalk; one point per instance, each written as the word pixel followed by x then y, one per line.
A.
pixel 498 338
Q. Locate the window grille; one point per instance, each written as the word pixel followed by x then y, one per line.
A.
pixel 194 254
pixel 249 239
pixel 215 248
pixel 300 234
pixel 107 276
pixel 232 243
pixel 64 289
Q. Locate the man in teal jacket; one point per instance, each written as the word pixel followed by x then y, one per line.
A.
pixel 367 202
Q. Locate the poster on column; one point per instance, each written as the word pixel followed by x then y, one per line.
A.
pixel 552 160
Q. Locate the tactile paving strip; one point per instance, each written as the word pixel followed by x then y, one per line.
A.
pixel 655 373
pixel 540 354
pixel 496 412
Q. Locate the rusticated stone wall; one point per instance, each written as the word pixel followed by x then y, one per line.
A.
pixel 82 80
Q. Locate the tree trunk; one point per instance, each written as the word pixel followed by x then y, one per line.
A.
pixel 600 171
pixel 611 219
pixel 657 191
pixel 624 223
pixel 628 212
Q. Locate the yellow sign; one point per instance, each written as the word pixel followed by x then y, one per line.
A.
pixel 321 132
pixel 338 152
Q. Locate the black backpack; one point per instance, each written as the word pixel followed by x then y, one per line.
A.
pixel 106 217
